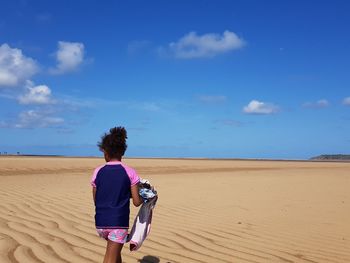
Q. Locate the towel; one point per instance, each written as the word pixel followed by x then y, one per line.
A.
pixel 142 223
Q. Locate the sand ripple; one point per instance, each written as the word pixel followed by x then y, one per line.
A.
pixel 225 212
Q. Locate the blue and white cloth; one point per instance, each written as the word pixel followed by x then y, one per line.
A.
pixel 146 190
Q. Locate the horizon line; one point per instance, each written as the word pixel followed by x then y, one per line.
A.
pixel 184 158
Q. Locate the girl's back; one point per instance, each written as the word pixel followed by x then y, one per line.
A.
pixel 113 182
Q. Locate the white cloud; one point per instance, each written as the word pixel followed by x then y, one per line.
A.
pixel 323 103
pixel 40 94
pixel 257 107
pixel 15 67
pixel 207 45
pixel 36 118
pixel 69 56
pixel 346 101
pixel 212 99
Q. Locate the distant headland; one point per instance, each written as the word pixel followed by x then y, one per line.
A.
pixel 344 157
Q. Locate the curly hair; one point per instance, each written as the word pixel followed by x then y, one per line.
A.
pixel 114 142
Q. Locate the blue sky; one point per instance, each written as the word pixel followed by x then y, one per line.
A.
pixel 222 79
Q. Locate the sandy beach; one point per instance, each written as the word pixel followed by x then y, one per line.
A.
pixel 208 211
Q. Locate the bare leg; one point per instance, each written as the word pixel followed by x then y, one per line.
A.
pixel 113 252
pixel 119 258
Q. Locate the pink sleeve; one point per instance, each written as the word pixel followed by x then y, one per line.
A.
pixel 93 177
pixel 134 178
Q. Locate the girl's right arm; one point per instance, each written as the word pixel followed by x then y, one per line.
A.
pixel 94 194
pixel 136 198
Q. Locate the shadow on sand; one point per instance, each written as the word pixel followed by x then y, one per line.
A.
pixel 149 259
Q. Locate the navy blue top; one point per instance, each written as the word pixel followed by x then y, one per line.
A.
pixel 113 182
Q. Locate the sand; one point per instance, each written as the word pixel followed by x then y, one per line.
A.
pixel 208 211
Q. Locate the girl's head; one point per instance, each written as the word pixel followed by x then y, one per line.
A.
pixel 113 144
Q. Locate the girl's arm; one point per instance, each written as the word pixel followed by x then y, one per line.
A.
pixel 94 194
pixel 136 198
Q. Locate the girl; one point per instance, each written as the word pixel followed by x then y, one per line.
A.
pixel 113 185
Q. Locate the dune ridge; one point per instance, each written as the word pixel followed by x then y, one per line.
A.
pixel 208 211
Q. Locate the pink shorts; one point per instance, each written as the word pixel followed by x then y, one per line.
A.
pixel 118 235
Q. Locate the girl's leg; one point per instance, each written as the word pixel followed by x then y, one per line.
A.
pixel 119 258
pixel 113 252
